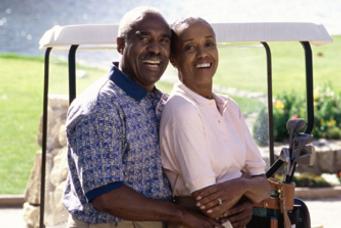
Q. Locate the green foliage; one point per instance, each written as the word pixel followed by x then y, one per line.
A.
pixel 285 107
pixel 310 180
pixel 327 113
pixel 327 106
pixel 306 180
pixel 261 128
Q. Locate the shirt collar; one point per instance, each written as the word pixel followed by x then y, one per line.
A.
pixel 129 86
pixel 195 96
pixel 221 102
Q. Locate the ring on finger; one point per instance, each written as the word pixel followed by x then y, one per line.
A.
pixel 220 201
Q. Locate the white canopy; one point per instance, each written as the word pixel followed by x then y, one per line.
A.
pixel 104 35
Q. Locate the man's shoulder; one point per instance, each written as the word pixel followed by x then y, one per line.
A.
pixel 101 97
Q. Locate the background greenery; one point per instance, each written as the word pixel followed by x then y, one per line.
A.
pixel 242 67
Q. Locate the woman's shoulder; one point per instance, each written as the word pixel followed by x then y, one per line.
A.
pixel 178 103
pixel 229 101
pixel 179 106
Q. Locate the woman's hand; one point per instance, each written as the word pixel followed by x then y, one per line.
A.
pixel 258 188
pixel 217 199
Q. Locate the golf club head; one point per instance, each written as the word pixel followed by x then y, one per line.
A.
pixel 303 139
pixel 295 126
pixel 306 156
pixel 299 142
pixel 285 155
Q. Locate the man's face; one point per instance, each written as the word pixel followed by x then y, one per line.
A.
pixel 145 52
pixel 196 54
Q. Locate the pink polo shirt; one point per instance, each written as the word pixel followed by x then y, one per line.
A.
pixel 205 141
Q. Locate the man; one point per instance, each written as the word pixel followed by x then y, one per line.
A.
pixel 115 174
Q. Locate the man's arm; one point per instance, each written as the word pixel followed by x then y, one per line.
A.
pixel 128 204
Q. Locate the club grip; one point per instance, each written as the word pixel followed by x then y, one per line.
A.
pixel 275 166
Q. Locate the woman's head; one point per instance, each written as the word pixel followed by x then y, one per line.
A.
pixel 194 52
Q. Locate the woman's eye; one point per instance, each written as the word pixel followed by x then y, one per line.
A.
pixel 189 48
pixel 210 44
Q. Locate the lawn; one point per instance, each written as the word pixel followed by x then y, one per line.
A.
pixel 244 67
pixel 241 67
pixel 20 109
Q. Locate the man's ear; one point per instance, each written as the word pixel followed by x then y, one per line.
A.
pixel 120 41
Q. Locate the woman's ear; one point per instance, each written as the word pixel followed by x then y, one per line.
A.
pixel 120 41
pixel 172 60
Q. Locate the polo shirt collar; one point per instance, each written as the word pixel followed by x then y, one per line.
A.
pixel 130 87
pixel 195 96
pixel 221 102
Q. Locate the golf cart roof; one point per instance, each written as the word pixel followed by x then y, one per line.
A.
pixel 104 35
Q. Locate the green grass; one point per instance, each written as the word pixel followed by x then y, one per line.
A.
pixel 20 108
pixel 21 91
pixel 245 68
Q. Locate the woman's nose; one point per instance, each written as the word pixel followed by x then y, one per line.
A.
pixel 201 52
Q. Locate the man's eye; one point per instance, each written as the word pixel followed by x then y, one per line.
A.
pixel 165 40
pixel 144 39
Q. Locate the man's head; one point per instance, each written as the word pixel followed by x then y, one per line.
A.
pixel 194 51
pixel 144 43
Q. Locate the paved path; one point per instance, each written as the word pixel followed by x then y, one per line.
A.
pixel 326 214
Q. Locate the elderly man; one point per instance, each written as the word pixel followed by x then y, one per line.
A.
pixel 115 173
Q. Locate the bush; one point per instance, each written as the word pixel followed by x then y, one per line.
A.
pixel 261 128
pixel 327 106
pixel 311 181
pixel 306 180
pixel 327 122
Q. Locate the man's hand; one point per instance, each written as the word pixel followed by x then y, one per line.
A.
pixel 217 199
pixel 197 220
pixel 126 203
pixel 239 215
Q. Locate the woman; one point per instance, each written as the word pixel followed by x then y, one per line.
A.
pixel 207 150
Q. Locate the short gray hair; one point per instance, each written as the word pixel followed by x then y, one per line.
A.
pixel 131 17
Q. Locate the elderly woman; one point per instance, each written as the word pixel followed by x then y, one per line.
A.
pixel 207 150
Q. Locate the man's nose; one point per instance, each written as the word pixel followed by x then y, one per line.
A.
pixel 154 47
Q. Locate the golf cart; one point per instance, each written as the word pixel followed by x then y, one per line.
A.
pixel 281 210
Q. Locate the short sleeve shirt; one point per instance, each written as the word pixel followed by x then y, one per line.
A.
pixel 205 141
pixel 113 139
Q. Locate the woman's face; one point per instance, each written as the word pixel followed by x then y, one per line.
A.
pixel 196 54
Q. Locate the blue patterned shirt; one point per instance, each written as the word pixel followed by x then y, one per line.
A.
pixel 113 139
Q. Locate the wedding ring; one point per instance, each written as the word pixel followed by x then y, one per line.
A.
pixel 220 201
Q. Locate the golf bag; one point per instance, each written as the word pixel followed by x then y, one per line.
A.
pixel 281 209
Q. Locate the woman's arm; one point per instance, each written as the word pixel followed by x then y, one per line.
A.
pixel 258 188
pixel 218 199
